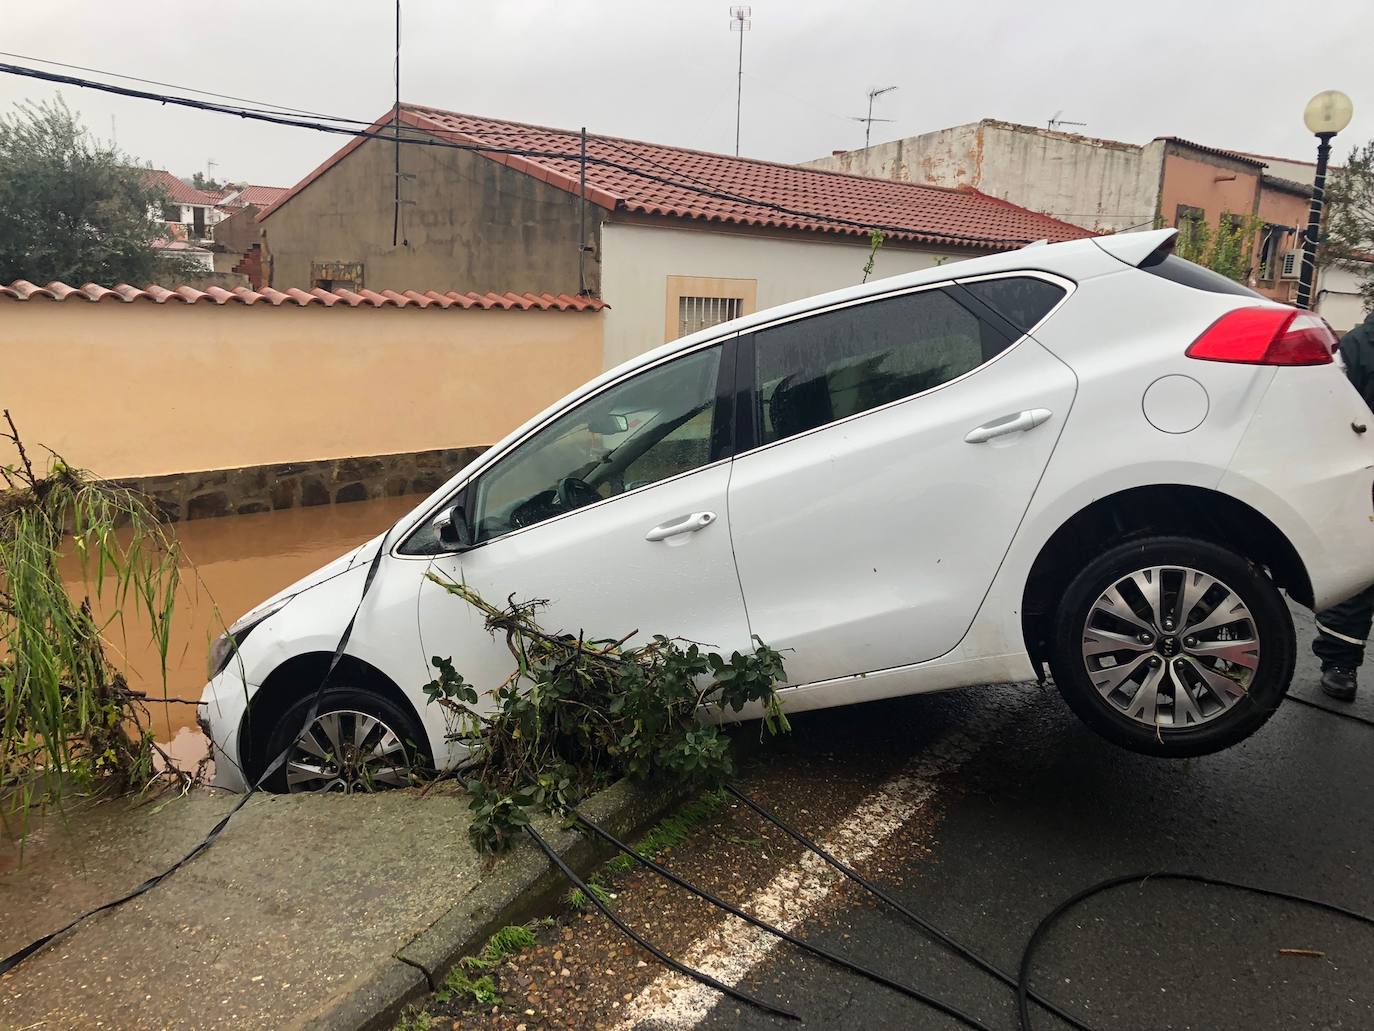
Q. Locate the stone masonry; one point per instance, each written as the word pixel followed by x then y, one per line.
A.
pixel 266 488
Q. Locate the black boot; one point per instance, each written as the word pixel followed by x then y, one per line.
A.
pixel 1339 683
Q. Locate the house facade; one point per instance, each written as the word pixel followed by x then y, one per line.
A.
pixel 673 239
pixel 1110 186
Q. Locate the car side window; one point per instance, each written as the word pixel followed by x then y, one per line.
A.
pixel 826 367
pixel 1021 300
pixel 654 425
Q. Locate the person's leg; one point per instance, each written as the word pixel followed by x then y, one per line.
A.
pixel 1342 632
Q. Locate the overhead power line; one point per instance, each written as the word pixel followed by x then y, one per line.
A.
pixel 674 180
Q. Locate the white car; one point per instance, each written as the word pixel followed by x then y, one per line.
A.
pixel 1091 454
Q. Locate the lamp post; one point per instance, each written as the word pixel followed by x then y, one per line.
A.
pixel 1325 115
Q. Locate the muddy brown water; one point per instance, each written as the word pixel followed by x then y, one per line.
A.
pixel 231 564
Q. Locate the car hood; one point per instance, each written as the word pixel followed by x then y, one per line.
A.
pixel 358 558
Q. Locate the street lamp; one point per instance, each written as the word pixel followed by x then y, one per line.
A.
pixel 1325 115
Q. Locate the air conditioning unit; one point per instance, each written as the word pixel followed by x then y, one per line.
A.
pixel 1292 265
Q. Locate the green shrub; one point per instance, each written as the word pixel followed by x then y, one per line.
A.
pixel 66 715
pixel 576 713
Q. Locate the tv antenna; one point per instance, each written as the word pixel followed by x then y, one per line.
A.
pixel 869 119
pixel 1055 122
pixel 739 22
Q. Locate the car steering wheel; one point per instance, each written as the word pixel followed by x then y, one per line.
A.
pixel 574 493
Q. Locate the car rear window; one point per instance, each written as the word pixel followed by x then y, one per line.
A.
pixel 1186 273
pixel 1021 300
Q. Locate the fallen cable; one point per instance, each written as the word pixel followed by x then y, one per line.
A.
pixel 643 942
pixel 959 949
pixel 872 975
pixel 1334 712
pixel 15 958
pixel 1023 992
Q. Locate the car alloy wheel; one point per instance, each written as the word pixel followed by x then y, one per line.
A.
pixel 1171 646
pixel 346 750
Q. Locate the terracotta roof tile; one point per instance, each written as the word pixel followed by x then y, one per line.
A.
pixel 177 190
pixel 655 179
pixel 262 196
pixel 23 290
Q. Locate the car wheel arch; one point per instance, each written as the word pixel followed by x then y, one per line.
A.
pixel 296 678
pixel 1151 510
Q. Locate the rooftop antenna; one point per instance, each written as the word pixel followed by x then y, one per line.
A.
pixel 1055 122
pixel 739 22
pixel 869 119
pixel 210 165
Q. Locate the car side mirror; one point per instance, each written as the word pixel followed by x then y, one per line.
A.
pixel 609 424
pixel 451 526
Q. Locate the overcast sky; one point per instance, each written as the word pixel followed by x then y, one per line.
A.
pixel 1223 72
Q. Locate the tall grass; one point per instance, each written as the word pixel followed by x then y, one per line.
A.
pixel 67 716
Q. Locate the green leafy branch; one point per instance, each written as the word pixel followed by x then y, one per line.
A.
pixel 576 713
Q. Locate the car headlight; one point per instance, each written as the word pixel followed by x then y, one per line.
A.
pixel 231 640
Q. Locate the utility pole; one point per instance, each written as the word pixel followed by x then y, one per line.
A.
pixel 741 23
pixel 868 120
pixel 396 131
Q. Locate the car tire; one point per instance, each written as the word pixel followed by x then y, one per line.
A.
pixel 382 744
pixel 1161 679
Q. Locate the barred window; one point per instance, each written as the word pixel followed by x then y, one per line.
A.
pixel 697 313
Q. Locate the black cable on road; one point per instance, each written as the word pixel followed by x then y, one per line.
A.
pixel 658 954
pixel 15 958
pixel 959 949
pixel 1334 712
pixel 912 993
pixel 1023 991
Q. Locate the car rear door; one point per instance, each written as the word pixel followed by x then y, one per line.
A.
pixel 896 443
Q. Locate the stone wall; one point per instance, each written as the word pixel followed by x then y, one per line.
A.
pixel 267 488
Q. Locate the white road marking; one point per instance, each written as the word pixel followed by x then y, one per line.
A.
pixel 732 948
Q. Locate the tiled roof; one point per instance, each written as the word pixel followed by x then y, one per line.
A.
pixel 262 196
pixel 654 179
pixel 23 290
pixel 1234 155
pixel 176 190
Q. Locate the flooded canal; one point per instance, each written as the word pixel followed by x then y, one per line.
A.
pixel 231 564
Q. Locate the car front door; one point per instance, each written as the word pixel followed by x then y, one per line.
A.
pixel 896 445
pixel 613 514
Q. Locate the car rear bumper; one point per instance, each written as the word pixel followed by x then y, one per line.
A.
pixel 1303 465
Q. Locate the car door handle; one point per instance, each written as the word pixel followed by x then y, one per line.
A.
pixel 1017 423
pixel 687 524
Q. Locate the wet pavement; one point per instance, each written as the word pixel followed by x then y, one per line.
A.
pixel 1003 806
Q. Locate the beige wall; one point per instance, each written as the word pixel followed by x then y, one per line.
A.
pixel 468 224
pixel 143 389
pixel 1097 184
pixel 641 263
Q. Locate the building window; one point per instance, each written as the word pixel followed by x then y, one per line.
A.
pixel 698 313
pixel 1271 240
pixel 1191 221
pixel 695 303
pixel 171 212
pixel 333 275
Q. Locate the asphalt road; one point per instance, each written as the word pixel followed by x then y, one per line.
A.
pixel 1043 808
pixel 982 810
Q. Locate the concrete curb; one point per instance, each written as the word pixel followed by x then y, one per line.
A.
pixel 522 885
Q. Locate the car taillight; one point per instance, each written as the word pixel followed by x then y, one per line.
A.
pixel 1266 336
